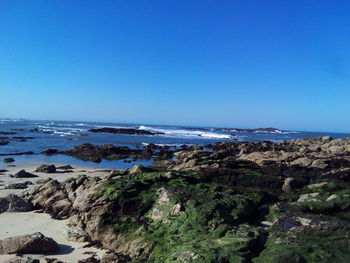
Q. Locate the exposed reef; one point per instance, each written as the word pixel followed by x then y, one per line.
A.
pixel 125 131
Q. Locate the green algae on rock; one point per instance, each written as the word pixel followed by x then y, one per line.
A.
pixel 185 217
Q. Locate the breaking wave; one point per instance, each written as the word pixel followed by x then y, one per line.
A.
pixel 182 133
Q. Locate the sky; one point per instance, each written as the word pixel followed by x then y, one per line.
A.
pixel 224 63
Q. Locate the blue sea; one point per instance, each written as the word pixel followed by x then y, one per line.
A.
pixel 63 135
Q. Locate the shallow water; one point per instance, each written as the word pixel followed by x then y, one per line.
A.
pixel 63 135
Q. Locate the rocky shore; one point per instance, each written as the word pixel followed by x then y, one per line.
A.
pixel 225 202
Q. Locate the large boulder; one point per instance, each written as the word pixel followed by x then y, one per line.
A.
pixel 24 174
pixel 14 203
pixel 28 244
pixel 46 168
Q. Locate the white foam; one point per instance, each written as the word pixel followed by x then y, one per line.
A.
pixel 188 133
pixel 112 126
pixel 166 144
pixel 276 132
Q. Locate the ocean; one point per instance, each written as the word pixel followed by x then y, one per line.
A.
pixel 63 135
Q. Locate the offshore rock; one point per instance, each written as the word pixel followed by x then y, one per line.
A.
pixel 9 160
pixel 125 131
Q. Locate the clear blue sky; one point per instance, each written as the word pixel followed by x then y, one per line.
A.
pixel 192 62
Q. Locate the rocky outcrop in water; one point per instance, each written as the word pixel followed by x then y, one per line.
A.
pixel 7 133
pixel 125 131
pixel 8 160
pixel 50 151
pixel 4 140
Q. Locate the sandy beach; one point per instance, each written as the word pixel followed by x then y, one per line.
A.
pixel 21 223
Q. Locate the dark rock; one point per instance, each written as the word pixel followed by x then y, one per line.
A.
pixel 24 174
pixel 125 131
pixel 35 243
pixel 20 153
pixel 164 155
pixel 22 138
pixel 14 203
pixel 53 260
pixel 4 142
pixel 46 168
pixel 91 259
pixel 7 133
pixel 65 167
pixel 21 259
pixel 50 151
pixel 19 185
pixel 115 257
pixel 9 160
pixel 96 153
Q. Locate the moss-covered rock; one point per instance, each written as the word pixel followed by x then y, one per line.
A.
pixel 308 246
pixel 215 215
pixel 184 217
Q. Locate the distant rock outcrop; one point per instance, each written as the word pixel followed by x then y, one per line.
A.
pixel 125 131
